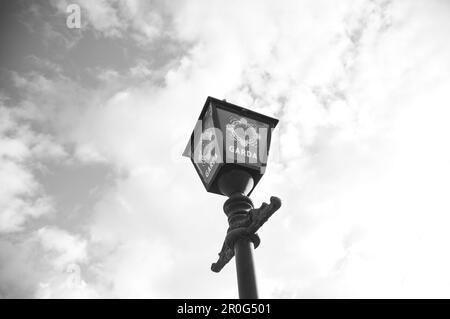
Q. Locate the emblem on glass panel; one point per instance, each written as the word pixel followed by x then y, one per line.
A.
pixel 244 132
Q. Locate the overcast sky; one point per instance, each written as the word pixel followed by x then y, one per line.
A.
pixel 96 200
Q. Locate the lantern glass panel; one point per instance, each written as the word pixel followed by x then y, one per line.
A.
pixel 207 148
pixel 245 138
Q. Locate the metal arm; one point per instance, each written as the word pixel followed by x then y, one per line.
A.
pixel 247 227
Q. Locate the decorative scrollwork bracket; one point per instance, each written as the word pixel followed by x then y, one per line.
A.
pixel 244 222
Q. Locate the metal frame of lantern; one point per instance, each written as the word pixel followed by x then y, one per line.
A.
pixel 235 179
pixel 256 170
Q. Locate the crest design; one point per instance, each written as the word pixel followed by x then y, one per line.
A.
pixel 240 129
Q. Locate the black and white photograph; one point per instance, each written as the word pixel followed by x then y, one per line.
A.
pixel 224 149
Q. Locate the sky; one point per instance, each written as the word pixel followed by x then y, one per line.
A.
pixel 96 200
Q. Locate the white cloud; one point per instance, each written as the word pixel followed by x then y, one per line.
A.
pixel 47 262
pixel 15 257
pixel 66 248
pixel 63 253
pixel 139 20
pixel 67 285
pixel 21 195
pixel 151 267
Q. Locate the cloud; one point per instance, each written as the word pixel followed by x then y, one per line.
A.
pixel 151 263
pixel 68 285
pixel 48 263
pixel 139 20
pixel 62 253
pixel 67 248
pixel 21 196
pixel 16 264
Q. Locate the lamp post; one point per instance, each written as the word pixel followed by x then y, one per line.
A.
pixel 229 148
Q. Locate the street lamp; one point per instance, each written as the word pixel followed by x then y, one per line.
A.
pixel 229 148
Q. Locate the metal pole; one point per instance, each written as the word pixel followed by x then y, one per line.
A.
pixel 244 220
pixel 245 269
